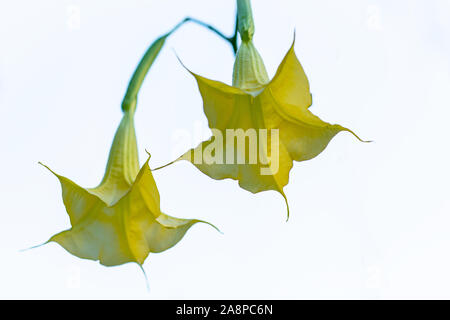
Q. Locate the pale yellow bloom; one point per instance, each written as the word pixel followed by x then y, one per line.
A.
pixel 256 102
pixel 120 220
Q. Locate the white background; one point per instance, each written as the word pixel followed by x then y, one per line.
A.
pixel 367 220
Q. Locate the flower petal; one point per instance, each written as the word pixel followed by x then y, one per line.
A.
pixel 124 232
pixel 281 105
pixel 123 164
pixel 290 82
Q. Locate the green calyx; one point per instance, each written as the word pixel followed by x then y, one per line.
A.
pixel 249 72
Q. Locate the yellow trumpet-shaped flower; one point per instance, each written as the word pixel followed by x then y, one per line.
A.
pixel 260 126
pixel 120 220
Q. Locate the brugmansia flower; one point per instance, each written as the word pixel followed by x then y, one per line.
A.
pixel 251 108
pixel 120 220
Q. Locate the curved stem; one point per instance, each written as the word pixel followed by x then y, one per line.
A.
pixel 234 38
pixel 130 99
pixel 231 40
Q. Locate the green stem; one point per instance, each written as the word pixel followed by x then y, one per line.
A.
pixel 130 100
pixel 246 25
pixel 234 38
pixel 231 40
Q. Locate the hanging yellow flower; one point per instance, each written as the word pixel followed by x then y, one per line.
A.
pixel 120 220
pixel 259 126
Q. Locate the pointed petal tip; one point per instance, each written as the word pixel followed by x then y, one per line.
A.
pixel 147 284
pixel 182 64
pixel 48 168
pixel 291 48
pixel 354 134
pixel 148 158
pixel 166 165
pixel 208 223
pixel 40 163
pixel 287 204
pixel 194 221
pixel 34 247
pixel 195 75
